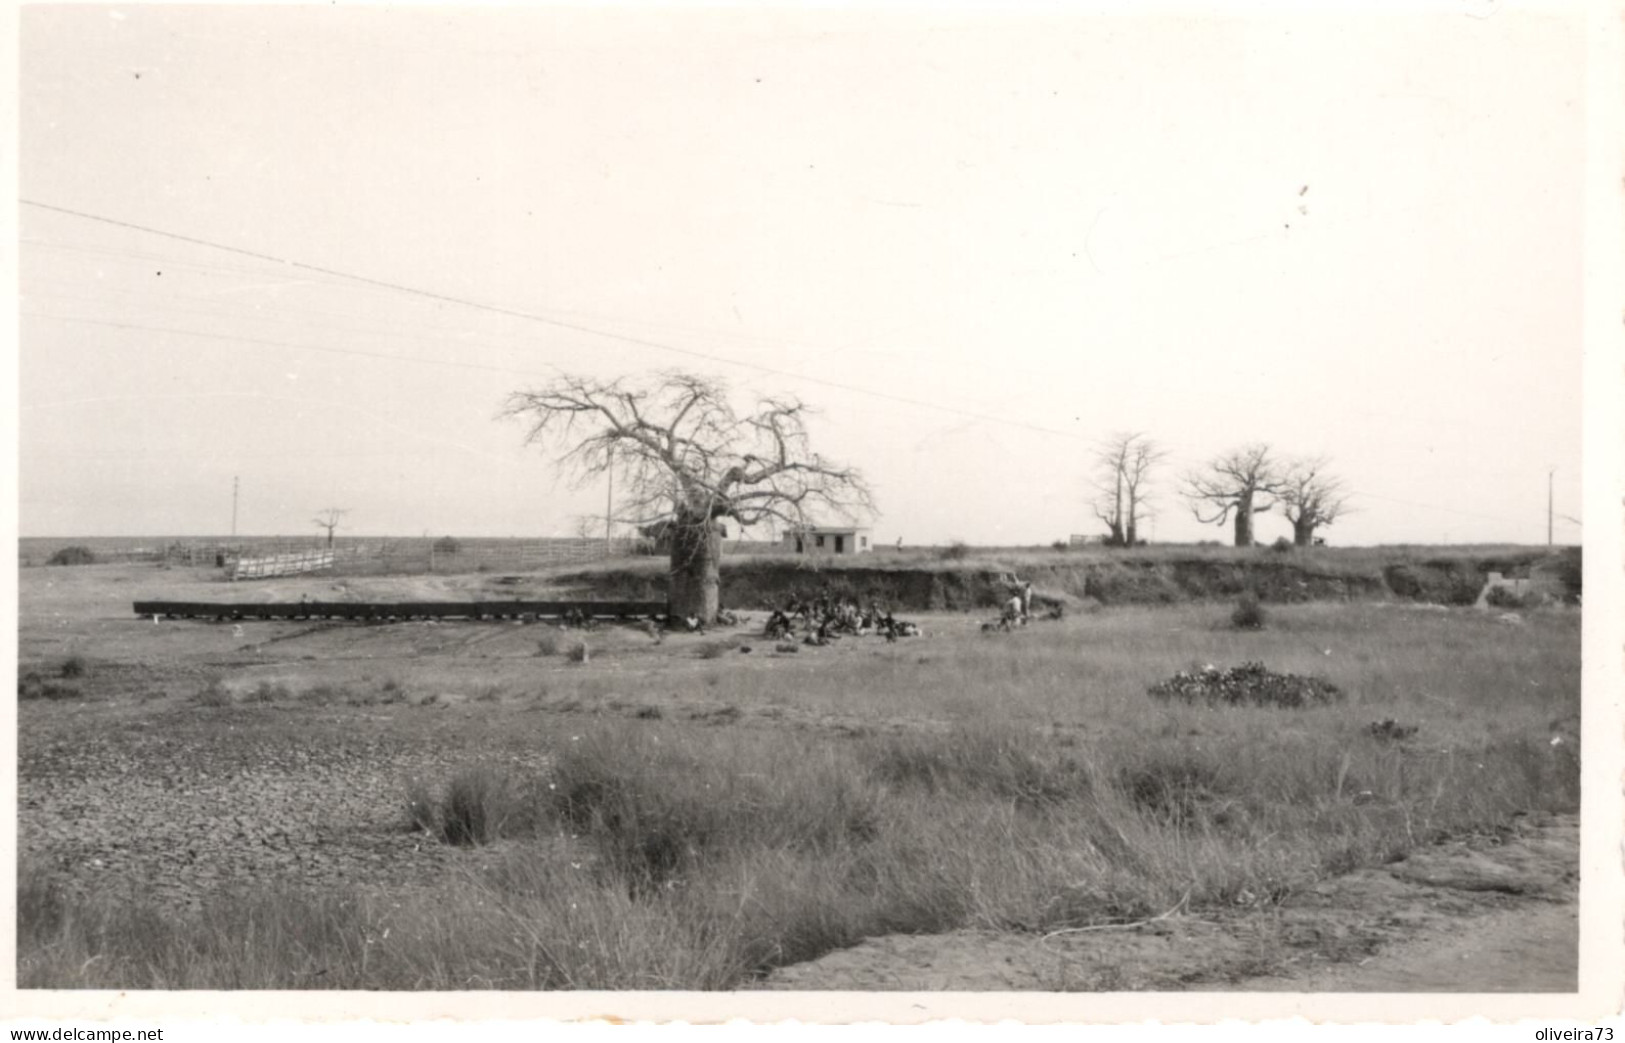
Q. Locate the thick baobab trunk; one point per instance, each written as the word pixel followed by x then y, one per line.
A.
pixel 1244 521
pixel 696 565
pixel 1303 532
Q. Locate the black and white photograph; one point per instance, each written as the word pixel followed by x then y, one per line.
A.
pixel 1053 513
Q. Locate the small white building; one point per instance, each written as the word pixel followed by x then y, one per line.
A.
pixel 829 539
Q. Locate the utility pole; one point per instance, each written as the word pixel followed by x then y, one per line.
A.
pixel 234 507
pixel 609 500
pixel 1549 507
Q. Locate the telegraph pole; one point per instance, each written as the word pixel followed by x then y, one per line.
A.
pixel 609 500
pixel 234 507
pixel 1549 507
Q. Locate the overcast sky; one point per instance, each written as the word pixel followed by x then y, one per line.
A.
pixel 977 243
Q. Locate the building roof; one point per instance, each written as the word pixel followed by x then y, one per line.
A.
pixel 815 530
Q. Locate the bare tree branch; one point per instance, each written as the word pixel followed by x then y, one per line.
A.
pixel 682 454
pixel 1123 468
pixel 1234 483
pixel 1310 497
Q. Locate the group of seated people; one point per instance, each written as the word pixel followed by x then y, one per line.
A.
pixel 823 619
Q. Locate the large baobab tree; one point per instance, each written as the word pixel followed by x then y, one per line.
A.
pixel 681 454
pixel 1311 498
pixel 1234 484
pixel 1123 468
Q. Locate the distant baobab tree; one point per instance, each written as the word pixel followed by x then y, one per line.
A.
pixel 683 455
pixel 329 519
pixel 1311 498
pixel 1234 484
pixel 1123 468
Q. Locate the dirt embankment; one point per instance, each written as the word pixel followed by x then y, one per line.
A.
pixel 1130 579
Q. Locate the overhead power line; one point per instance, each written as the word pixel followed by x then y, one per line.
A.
pixel 559 323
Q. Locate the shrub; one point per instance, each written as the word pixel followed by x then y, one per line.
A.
pixel 579 652
pixel 958 550
pixel 1060 545
pixel 1282 545
pixel 1249 613
pixel 1247 684
pixel 73 666
pixel 549 644
pixel 75 555
pixel 447 545
pixel 31 686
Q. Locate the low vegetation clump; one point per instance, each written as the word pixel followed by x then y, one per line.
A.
pixel 73 666
pixel 213 694
pixel 478 805
pixel 1390 729
pixel 1249 614
pixel 1249 684
pixel 31 686
pixel 74 555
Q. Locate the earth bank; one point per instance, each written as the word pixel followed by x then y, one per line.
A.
pixel 1149 578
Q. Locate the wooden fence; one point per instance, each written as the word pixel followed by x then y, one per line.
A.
pixel 282 565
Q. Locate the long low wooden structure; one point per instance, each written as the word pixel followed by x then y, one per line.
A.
pixel 387 610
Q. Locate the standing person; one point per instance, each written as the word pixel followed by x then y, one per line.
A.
pixel 1012 612
pixel 1026 601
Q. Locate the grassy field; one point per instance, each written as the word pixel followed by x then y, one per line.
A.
pixel 690 815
